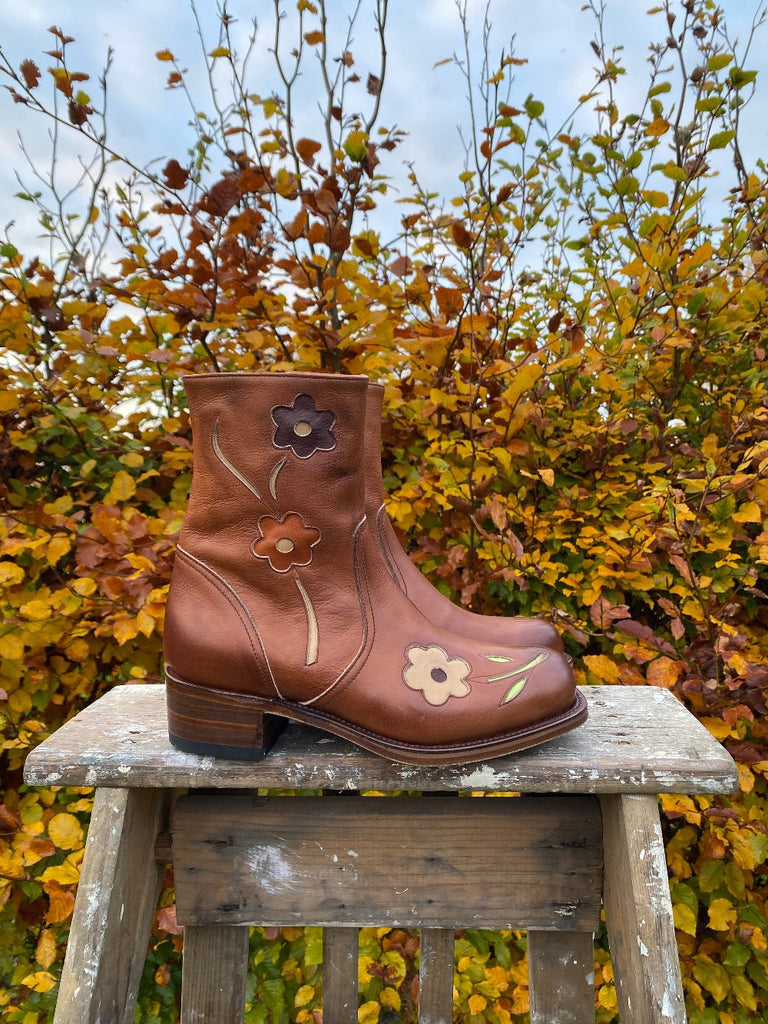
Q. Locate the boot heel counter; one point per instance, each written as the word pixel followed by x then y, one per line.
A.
pixel 210 637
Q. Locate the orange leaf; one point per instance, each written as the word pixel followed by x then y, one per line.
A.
pixel 307 148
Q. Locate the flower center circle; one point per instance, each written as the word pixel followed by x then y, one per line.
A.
pixel 439 675
pixel 302 428
pixel 285 546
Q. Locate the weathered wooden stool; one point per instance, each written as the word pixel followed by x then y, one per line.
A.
pixel 539 862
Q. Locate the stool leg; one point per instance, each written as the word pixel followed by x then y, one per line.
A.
pixel 436 976
pixel 638 913
pixel 118 892
pixel 213 974
pixel 341 948
pixel 561 970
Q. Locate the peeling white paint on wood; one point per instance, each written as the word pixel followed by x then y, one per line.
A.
pixel 121 740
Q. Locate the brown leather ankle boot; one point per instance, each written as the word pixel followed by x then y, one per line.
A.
pixel 517 631
pixel 281 606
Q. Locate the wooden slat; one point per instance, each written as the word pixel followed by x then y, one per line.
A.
pixel 116 898
pixel 638 913
pixel 561 970
pixel 527 862
pixel 436 976
pixel 638 739
pixel 214 970
pixel 340 956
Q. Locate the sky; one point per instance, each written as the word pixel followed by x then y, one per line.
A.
pixel 426 101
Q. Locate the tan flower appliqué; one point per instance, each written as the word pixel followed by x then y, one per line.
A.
pixel 285 542
pixel 439 677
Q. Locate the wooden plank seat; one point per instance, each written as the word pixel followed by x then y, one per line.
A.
pixel 585 834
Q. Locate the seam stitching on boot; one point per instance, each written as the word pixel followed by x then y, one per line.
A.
pixel 231 591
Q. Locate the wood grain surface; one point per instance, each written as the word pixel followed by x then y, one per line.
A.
pixel 638 739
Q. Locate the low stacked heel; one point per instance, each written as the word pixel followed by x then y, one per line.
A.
pixel 217 723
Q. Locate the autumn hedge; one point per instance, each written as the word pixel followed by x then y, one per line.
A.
pixel 576 426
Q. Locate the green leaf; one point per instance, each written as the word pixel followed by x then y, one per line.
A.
pixel 739 77
pixel 10 252
pixel 719 61
pixel 502 953
pixel 478 940
pixel 514 691
pixel 534 108
pixel 721 139
pixel 627 185
pixel 737 955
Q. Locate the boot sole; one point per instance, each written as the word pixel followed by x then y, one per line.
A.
pixel 243 727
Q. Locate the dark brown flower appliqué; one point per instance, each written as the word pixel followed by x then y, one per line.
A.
pixel 303 427
pixel 285 542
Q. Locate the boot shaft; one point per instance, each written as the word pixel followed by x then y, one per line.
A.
pixel 266 444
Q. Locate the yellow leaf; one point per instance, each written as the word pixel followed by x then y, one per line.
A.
pixel 603 667
pixel 390 997
pixel 36 609
pixel 368 1013
pixel 719 729
pixel 11 573
pixel 85 586
pixel 220 51
pixel 64 874
pixel 304 996
pixel 356 145
pixel 685 919
pixel 66 831
pixel 477 1003
pixel 77 650
pixel 124 629
pixel 123 487
pixel 20 701
pixel 57 548
pixel 164 55
pixel 145 622
pixel 748 513
pixel 45 951
pixel 606 997
pixel 746 779
pixel 712 977
pixel 722 914
pixel 11 647
pixel 657 127
pixel 363 974
pixel 40 981
pixel 548 476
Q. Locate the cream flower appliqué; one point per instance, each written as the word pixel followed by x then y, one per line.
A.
pixel 439 677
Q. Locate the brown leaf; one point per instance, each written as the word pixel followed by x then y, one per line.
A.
pixel 400 266
pixel 313 38
pixel 60 35
pixel 461 236
pixel 166 920
pixel 176 176
pixel 307 148
pixel 30 72
pixel 78 112
pixel 635 629
pixel 373 85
